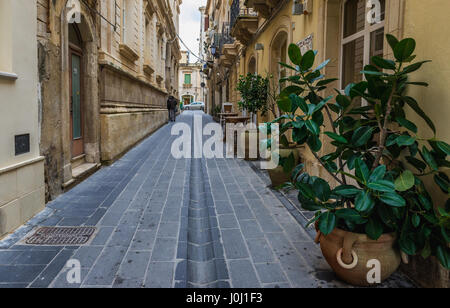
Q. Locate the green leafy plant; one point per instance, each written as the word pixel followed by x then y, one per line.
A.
pixel 216 111
pixel 379 159
pixel 254 93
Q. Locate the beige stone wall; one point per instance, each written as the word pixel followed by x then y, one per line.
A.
pixel 130 110
pixel 21 175
pixel 140 124
pixel 22 194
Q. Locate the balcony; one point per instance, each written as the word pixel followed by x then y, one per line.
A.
pixel 243 22
pixel 225 38
pixel 228 46
pixel 187 85
pixel 263 7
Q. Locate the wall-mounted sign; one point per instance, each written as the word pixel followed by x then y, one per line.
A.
pixel 306 44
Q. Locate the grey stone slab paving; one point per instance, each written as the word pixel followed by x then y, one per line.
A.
pixel 271 273
pixel 243 274
pixel 160 275
pixel 164 222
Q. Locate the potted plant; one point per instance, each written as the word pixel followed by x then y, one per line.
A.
pixel 288 151
pixel 215 113
pixel 380 206
pixel 253 90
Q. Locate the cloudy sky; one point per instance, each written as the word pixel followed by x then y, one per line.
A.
pixel 190 24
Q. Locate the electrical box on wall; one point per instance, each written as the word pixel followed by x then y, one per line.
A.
pixel 302 7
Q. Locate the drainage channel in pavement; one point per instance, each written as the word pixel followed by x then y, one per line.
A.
pixel 203 263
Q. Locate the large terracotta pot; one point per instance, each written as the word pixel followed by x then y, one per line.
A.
pixel 349 254
pixel 277 175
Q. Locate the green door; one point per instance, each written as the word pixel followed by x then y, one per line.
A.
pixel 76 108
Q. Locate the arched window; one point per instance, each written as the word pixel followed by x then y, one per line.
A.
pixel 252 66
pixel 75 36
pixel 278 53
pixel 362 38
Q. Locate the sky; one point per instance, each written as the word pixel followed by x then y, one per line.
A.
pixel 190 24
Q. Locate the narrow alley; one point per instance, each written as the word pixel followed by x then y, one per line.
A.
pixel 163 222
pixel 331 115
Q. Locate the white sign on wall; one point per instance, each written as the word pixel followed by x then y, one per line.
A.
pixel 306 44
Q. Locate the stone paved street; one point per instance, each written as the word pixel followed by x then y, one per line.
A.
pixel 164 222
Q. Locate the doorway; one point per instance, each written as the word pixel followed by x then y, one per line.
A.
pixel 76 95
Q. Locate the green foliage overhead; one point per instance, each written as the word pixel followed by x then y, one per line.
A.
pixel 379 159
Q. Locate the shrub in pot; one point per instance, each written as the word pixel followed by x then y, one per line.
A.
pixel 380 206
pixel 285 114
pixel 253 90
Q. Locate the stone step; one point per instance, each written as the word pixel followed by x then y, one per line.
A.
pixel 83 170
pixel 78 161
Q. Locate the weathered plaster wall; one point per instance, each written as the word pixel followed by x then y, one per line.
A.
pixel 54 88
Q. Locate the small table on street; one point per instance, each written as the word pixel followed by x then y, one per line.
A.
pixel 234 120
pixel 226 114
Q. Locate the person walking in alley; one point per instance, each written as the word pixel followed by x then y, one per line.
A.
pixel 171 106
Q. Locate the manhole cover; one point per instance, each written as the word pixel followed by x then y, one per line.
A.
pixel 61 236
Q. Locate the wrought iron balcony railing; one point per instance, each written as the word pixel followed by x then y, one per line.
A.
pixel 226 37
pixel 239 10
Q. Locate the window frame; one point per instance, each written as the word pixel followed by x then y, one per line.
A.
pixel 190 78
pixel 365 33
pixel 124 22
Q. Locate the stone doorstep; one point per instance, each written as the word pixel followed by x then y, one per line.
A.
pixel 84 169
pixel 78 161
pixel 80 173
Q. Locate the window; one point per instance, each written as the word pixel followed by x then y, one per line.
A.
pixel 127 26
pixel 361 39
pixel 147 40
pixel 187 78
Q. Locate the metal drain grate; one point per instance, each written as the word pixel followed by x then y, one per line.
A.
pixel 61 236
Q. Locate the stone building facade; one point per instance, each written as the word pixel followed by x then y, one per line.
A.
pixel 21 165
pixel 105 71
pixel 263 30
pixel 191 81
pixel 138 70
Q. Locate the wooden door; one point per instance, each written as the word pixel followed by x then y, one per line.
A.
pixel 76 106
